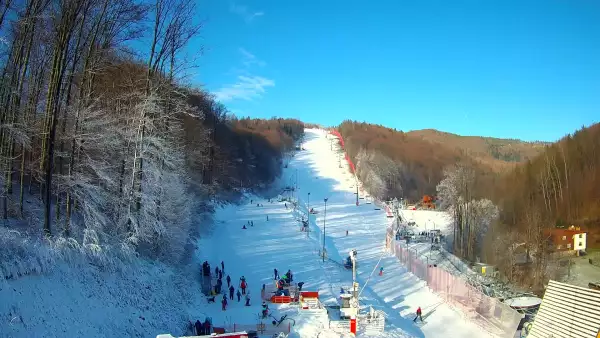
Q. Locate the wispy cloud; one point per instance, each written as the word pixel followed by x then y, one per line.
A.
pixel 250 59
pixel 246 13
pixel 246 88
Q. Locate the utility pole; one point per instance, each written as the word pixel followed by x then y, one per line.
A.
pixel 324 220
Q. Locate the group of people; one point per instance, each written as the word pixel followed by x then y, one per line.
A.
pixel 203 328
pixel 241 291
pixel 250 223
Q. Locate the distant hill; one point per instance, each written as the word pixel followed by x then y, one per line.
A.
pixel 498 154
pixel 411 164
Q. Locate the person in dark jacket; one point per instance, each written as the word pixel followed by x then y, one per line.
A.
pixel 220 274
pixel 276 274
pixel 300 286
pixel 231 291
pixel 207 326
pixel 199 328
pixel 224 302
pixel 418 315
pixel 222 266
pixel 239 295
pixel 228 279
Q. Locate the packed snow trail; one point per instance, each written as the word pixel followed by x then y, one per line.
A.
pixel 278 243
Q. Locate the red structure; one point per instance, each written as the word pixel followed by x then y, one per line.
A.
pixel 350 163
pixel 353 325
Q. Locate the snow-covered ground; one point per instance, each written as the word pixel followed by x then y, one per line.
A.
pixel 279 243
pixel 152 298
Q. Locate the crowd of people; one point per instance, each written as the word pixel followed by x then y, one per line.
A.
pixel 229 293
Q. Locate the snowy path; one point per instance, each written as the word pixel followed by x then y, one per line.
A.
pixel 279 243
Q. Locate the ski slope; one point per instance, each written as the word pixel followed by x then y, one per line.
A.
pixel 278 243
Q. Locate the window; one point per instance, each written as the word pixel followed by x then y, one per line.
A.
pixel 580 235
pixel 564 238
pixel 569 246
pixel 559 246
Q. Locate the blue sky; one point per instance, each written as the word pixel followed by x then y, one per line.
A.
pixel 517 69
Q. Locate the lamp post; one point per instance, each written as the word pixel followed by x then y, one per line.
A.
pixel 324 220
pixel 308 215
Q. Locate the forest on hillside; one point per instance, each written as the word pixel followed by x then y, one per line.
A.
pixel 394 164
pixel 495 209
pixel 556 189
pixel 107 153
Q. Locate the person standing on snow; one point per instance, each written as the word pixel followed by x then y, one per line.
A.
pixel 418 315
pixel 222 266
pixel 231 290
pixel 244 227
pixel 199 328
pixel 220 274
pixel 224 302
pixel 381 271
pixel 243 286
pixel 228 279
pixel 239 295
pixel 276 274
pixel 248 299
pixel 300 286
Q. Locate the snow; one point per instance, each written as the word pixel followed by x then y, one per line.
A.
pixel 154 299
pixel 279 243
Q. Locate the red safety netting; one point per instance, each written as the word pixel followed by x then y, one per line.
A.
pixel 341 140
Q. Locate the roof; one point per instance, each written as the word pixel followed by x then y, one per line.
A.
pixel 563 232
pixel 567 311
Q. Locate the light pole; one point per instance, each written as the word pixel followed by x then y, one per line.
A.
pixel 324 220
pixel 308 215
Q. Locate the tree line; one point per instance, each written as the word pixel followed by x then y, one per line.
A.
pixel 100 147
pixel 393 164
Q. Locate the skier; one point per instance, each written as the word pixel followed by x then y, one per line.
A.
pixel 220 274
pixel 231 290
pixel 252 223
pixel 217 270
pixel 381 271
pixel 239 295
pixel 224 302
pixel 300 286
pixel 199 328
pixel 346 232
pixel 267 217
pixel 418 315
pixel 218 286
pixel 285 205
pixel 206 326
pixel 228 279
pixel 222 266
pixel 276 274
pixel 248 299
pixel 265 309
pixel 243 286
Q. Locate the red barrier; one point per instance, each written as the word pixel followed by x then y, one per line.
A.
pixel 310 294
pixel 281 299
pixel 341 139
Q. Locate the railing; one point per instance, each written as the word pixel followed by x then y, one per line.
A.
pixel 490 313
pixel 260 328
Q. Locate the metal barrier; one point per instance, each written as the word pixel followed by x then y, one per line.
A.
pixel 260 328
pixel 489 313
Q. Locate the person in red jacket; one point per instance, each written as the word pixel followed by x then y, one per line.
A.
pixel 243 287
pixel 418 315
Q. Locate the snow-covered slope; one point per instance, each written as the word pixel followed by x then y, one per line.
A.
pixel 154 299
pixel 279 243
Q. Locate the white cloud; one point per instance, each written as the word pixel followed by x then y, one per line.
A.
pixel 246 88
pixel 250 59
pixel 246 13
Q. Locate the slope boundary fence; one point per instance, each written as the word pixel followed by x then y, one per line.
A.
pixel 490 313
